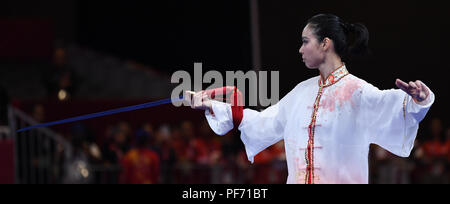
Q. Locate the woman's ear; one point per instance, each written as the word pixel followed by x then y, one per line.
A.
pixel 326 44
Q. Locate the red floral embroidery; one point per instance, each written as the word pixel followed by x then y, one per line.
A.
pixel 331 79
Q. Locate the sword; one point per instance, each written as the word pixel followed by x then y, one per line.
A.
pixel 105 113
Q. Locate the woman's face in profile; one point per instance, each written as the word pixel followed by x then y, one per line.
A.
pixel 310 50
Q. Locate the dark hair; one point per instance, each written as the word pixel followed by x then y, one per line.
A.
pixel 348 39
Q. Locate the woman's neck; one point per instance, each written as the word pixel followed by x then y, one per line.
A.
pixel 327 68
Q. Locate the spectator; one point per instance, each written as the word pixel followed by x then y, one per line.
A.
pixel 166 153
pixel 212 142
pixel 436 174
pixel 201 149
pixel 148 128
pixel 117 145
pixel 78 169
pixel 434 148
pixel 140 165
pixel 38 113
pixel 183 165
pixel 83 137
pixel 269 164
pixel 59 79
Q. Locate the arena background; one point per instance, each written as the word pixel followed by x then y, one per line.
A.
pixel 61 59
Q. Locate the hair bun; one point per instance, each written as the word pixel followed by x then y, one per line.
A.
pixel 349 39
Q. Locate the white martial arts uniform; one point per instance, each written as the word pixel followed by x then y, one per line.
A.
pixel 328 127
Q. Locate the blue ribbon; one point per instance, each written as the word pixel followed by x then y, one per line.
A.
pixel 105 113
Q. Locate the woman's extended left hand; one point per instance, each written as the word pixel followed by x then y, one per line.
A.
pixel 417 90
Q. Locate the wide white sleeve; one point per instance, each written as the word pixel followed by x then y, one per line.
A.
pixel 391 118
pixel 260 130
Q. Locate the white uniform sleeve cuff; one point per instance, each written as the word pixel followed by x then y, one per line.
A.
pixel 222 120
